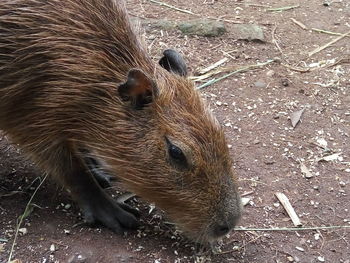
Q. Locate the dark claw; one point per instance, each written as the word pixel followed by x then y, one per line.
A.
pixel 109 213
pixel 130 209
pixel 103 179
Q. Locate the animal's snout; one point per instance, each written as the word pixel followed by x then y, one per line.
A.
pixel 226 218
pixel 221 229
pixel 224 225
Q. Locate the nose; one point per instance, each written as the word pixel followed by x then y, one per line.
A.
pixel 225 223
pixel 222 229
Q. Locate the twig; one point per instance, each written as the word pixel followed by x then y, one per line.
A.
pixel 280 9
pixel 221 19
pixel 247 193
pixel 308 69
pixel 212 66
pixel 172 7
pixel 12 193
pixel 292 228
pixel 327 32
pixel 328 44
pixel 298 69
pixel 288 207
pixel 339 61
pixel 233 250
pixel 299 23
pixel 249 4
pixel 274 39
pixel 259 65
pixel 191 13
pixel 22 217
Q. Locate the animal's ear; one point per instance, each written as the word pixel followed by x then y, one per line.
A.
pixel 172 61
pixel 139 89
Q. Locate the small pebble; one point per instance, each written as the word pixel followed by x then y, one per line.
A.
pixel 52 248
pixel 320 258
pixel 285 82
pixel 270 73
pixel 290 259
pixel 260 84
pixel 300 249
pixel 23 230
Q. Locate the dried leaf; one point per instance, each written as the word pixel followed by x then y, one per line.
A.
pixel 305 171
pixel 332 157
pixel 295 117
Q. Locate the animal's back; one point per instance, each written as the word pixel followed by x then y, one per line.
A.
pixel 53 51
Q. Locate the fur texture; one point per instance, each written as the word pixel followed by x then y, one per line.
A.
pixel 61 63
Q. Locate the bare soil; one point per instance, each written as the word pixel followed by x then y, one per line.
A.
pixel 254 108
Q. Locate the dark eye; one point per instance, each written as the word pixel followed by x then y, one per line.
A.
pixel 176 154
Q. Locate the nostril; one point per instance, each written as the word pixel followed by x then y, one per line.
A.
pixel 221 230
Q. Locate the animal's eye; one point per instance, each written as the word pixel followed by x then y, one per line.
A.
pixel 176 154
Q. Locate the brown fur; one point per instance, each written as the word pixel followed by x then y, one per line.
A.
pixel 60 65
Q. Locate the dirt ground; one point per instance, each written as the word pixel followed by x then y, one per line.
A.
pixel 254 108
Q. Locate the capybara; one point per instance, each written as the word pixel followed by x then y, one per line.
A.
pixel 78 89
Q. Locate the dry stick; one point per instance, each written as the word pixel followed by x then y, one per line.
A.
pixel 213 66
pixel 12 193
pixel 288 207
pixel 328 44
pixel 292 228
pixel 282 8
pixel 191 13
pixel 339 61
pixel 233 250
pixel 327 32
pixel 172 7
pixel 210 82
pixel 308 69
pixel 299 23
pixel 21 219
pixel 298 69
pixel 275 41
pixel 247 193
pixel 249 4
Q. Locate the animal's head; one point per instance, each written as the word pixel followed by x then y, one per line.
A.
pixel 174 152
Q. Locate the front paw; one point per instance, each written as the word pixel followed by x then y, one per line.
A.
pixel 115 216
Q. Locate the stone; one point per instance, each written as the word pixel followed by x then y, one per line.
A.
pixel 250 32
pixel 259 84
pixel 202 27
